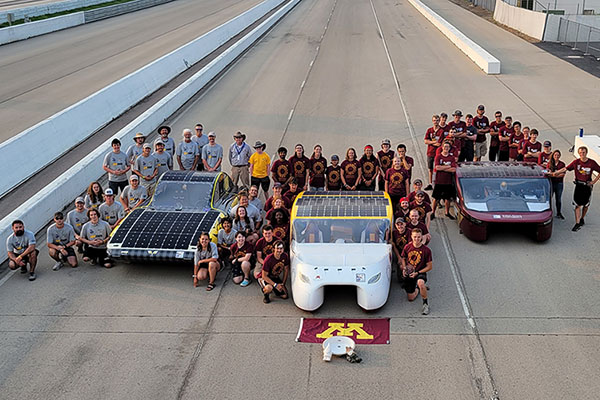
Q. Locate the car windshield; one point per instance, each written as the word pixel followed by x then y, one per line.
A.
pixel 339 230
pixel 506 194
pixel 174 195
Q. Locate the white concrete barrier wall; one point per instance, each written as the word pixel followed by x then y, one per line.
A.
pixel 529 22
pixel 487 62
pixel 38 211
pixel 49 8
pixel 24 31
pixel 69 127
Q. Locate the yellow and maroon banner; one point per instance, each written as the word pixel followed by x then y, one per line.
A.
pixel 362 331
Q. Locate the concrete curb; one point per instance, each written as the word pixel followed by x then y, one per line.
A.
pixel 487 62
pixel 37 211
pixel 31 29
pixel 45 9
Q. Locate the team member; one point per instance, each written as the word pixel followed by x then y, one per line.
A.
pixel 351 172
pixel 263 248
pixel 526 131
pixel 187 152
pixel 243 223
pixel 554 166
pixel 400 238
pixel 422 207
pixel 414 222
pixel 432 140
pixel 164 161
pixel 111 211
pixel 20 248
pixel 545 155
pixel 212 154
pixel 300 165
pixel 402 210
pixel 514 142
pixel 504 138
pixel 206 261
pixel 467 151
pixel 583 167
pixel 396 182
pixel 116 163
pixel 146 167
pixel 95 234
pixel 495 127
pixel 60 238
pixel 136 149
pixel 407 162
pixel 482 124
pixel 385 157
pixel 242 259
pixel 225 239
pixel 318 168
pixel 275 271
pixel 291 194
pixel 259 168
pixel 445 167
pixel 532 148
pixel 369 168
pixel 418 186
pixel 251 210
pixel 201 140
pixel 94 196
pixel 254 200
pixel 334 174
pixel 281 170
pixel 239 158
pixel 76 218
pixel 280 222
pixel 169 143
pixel 277 194
pixel 458 129
pixel 133 195
pixel 416 262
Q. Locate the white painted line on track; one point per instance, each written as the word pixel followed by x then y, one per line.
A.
pixel 303 83
pixel 291 113
pixel 8 275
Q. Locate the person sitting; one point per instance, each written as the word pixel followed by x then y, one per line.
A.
pixel 275 272
pixel 253 212
pixel 400 238
pixel 278 204
pixel 422 207
pixel 225 239
pixel 277 193
pixel 206 262
pixel 404 210
pixel 243 223
pixel 281 225
pixel 242 259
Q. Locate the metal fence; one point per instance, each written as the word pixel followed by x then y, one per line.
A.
pixel 580 37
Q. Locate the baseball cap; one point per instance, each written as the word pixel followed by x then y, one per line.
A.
pixel 335 157
pixel 400 219
pixel 420 193
pixel 277 185
pixel 212 134
pixel 79 200
pixel 480 107
pixel 418 181
pixel 404 199
pixel 134 177
pixel 457 112
pixel 146 146
pixel 386 141
pixel 547 143
pixel 109 192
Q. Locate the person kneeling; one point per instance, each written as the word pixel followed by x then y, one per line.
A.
pixel 206 262
pixel 275 265
pixel 416 262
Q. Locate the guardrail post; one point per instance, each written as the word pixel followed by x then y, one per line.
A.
pixel 587 47
pixel 576 37
pixel 567 33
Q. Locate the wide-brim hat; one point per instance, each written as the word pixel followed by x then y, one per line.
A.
pixel 160 128
pixel 139 135
pixel 260 144
pixel 239 135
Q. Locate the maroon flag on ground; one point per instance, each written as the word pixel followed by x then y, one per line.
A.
pixel 362 331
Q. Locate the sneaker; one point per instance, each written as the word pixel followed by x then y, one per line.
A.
pixel 581 222
pixel 24 269
pixel 245 282
pixel 432 217
pixel 57 266
pixel 576 228
pixel 266 299
pixel 32 276
pixel 425 309
pixel 450 216
pixel 429 187
pixel 560 216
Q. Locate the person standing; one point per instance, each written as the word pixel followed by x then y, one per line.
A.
pixel 369 166
pixel 555 165
pixel 239 158
pixel 504 138
pixel 407 162
pixel 468 143
pixel 495 127
pixel 136 149
pixel 187 152
pixel 385 157
pixel 111 211
pixel 396 183
pixel 201 140
pixel 275 271
pixel 514 143
pixel 300 165
pixel 532 148
pixel 318 169
pixel 458 129
pixel 334 174
pixel 169 143
pixel 212 154
pixel 95 234
pixel 146 167
pixel 432 140
pixel 77 217
pixel 259 168
pixel 20 249
pixel 133 195
pixel 351 173
pixel 116 163
pixel 545 155
pixel 445 167
pixel 164 161
pixel 482 124
pixel 60 238
pixel 416 261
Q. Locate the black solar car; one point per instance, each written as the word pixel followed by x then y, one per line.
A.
pixel 184 204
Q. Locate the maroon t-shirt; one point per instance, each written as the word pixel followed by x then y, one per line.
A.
pixel 481 123
pixel 401 213
pixel 396 179
pixel 433 134
pixel 559 165
pixel 495 126
pixel 318 166
pixel 351 171
pixel 513 152
pixel 238 252
pixel 543 159
pixel 416 257
pixel 274 267
pixel 334 181
pixel 369 167
pixel 444 177
pixel 535 148
pixel 264 247
pixel 505 132
pixel 423 209
pixel 454 151
pixel 280 231
pixel 281 171
pixel 270 214
pixel 420 225
pixel 385 160
pixel 269 203
pixel 400 239
pixel 461 127
pixel 300 167
pixel 291 196
pixel 411 162
pixel 583 170
pixel 413 195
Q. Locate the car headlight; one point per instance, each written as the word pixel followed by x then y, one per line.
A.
pixel 303 277
pixel 548 222
pixel 374 278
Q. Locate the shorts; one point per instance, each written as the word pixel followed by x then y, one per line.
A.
pixel 115 186
pixel 277 280
pixel 480 149
pixel 25 259
pixel 98 255
pixel 70 253
pixel 370 188
pixel 410 284
pixel 444 192
pixel 582 195
pixel 263 183
pixel 236 267
pixel 430 161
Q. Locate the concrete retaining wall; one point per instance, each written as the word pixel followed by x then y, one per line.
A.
pixel 118 9
pixel 49 8
pixel 487 62
pixel 38 210
pixel 67 128
pixel 24 31
pixel 531 23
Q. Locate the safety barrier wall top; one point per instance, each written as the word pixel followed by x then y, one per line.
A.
pixel 49 8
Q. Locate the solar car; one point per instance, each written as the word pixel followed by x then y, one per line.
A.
pixel 341 238
pixel 184 204
pixel 500 193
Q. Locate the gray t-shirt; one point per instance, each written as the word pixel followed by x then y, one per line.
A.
pixel 200 141
pixel 212 252
pixel 146 167
pixel 169 145
pixel 92 204
pixel 164 162
pixel 239 155
pixel 60 237
pixel 116 161
pixel 257 202
pixel 18 244
pixel 253 213
pixel 133 151
pixel 101 231
pixel 76 219
pixel 212 155
pixel 226 238
pixel 241 225
pixel 112 213
pixel 133 196
pixel 187 152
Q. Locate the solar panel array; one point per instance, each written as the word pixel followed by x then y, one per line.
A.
pixel 187 176
pixel 499 170
pixel 342 204
pixel 147 229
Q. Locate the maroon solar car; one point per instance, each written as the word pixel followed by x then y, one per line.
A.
pixel 500 193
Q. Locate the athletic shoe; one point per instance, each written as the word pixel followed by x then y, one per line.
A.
pixel 245 283
pixel 450 216
pixel 581 222
pixel 432 217
pixel 425 309
pixel 57 266
pixel 24 269
pixel 32 276
pixel 560 216
pixel 429 187
pixel 576 228
pixel 266 299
